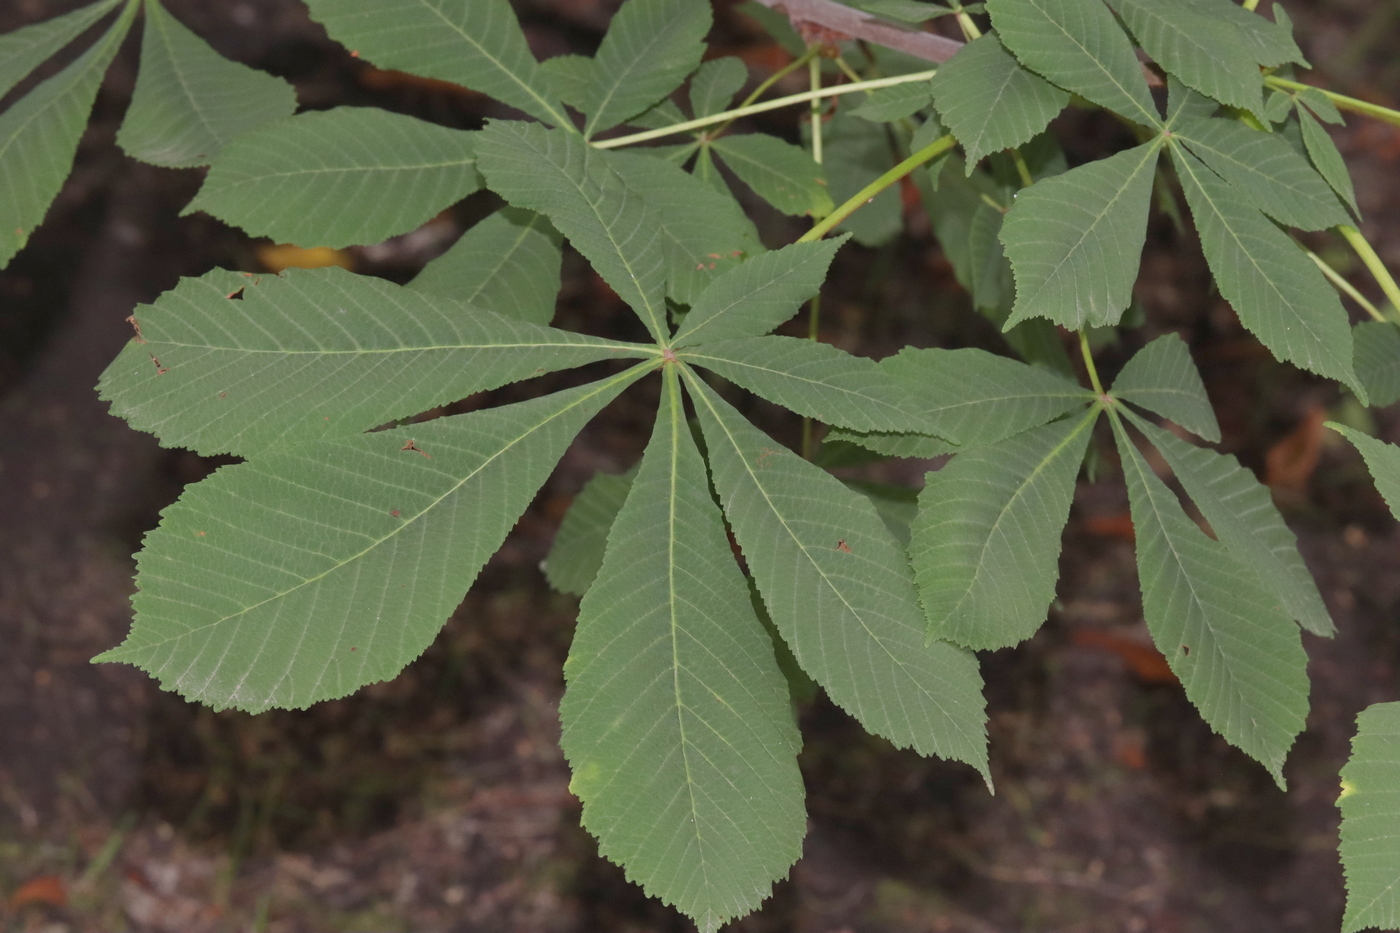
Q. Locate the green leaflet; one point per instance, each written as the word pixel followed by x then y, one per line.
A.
pixel 986 544
pixel 190 100
pixel 1237 654
pixel 1326 159
pixel 1378 360
pixel 702 230
pixel 887 104
pixel 897 506
pixel 990 102
pixel 348 176
pixel 853 158
pixel 677 722
pixel 314 354
pixel 1162 378
pixel 1242 514
pixel 25 49
pixel 476 43
pixel 307 573
pixel 39 136
pixel 571 77
pixel 1195 49
pixel 555 173
pixel 1078 45
pixel 577 552
pixel 1370 805
pixel 714 84
pixel 780 173
pixel 814 379
pixel 650 47
pixel 921 446
pixel 1075 240
pixel 1382 459
pixel 756 296
pixel 1265 169
pixel 974 398
pixel 507 263
pixel 1270 44
pixel 1280 296
pixel 840 591
pixel 1320 104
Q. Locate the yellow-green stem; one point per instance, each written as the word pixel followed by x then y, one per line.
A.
pixel 932 151
pixel 1089 363
pixel 969 28
pixel 1022 169
pixel 1373 263
pixel 814 73
pixel 767 105
pixel 1342 101
pixel 1344 286
pixel 771 80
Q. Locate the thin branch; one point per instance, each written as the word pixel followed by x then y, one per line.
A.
pixel 856 24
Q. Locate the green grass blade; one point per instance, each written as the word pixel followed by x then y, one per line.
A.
pixel 1238 655
pixel 1075 241
pixel 1162 378
pixel 986 544
pixel 1370 805
pixel 508 263
pixel 754 297
pixel 352 175
pixel 1078 45
pixel 650 47
pixel 1242 514
pixel 677 722
pixel 555 173
pixel 1195 49
pixel 1278 294
pixel 814 379
pixel 975 398
pixel 990 102
pixel 476 43
pixel 1382 459
pixel 190 100
pixel 778 172
pixel 307 573
pixel 1266 170
pixel 1378 360
pixel 25 49
pixel 577 552
pixel 839 589
pixel 39 136
pixel 703 230
pixel 314 354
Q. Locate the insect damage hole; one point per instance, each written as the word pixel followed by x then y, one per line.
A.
pixel 414 447
pixel 843 547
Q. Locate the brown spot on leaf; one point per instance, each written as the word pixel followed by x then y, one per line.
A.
pixel 199 534
pixel 236 294
pixel 136 327
pixel 160 370
pixel 843 547
pixel 394 512
pixel 1186 650
pixel 414 447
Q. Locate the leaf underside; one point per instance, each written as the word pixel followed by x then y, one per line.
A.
pixel 1162 378
pixel 1370 805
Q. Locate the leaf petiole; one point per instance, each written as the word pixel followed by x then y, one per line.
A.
pixel 1343 102
pixel 1373 264
pixel 930 152
pixel 1089 363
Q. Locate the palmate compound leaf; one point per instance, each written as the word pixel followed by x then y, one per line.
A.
pixel 1237 653
pixel 555 173
pixel 702 230
pixel 1078 45
pixel 1378 360
pixel 1161 377
pixel 990 102
pixel 316 353
pixel 342 177
pixel 509 262
pixel 677 721
pixel 190 100
pixel 814 379
pixel 1270 174
pixel 1370 805
pixel 1193 47
pixel 986 543
pixel 1278 294
pixel 25 49
pixel 1242 514
pixel 306 573
pixel 752 298
pixel 840 591
pixel 39 136
pixel 476 43
pixel 650 47
pixel 1382 459
pixel 782 174
pixel 1075 240
pixel 975 398
pixel 578 547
